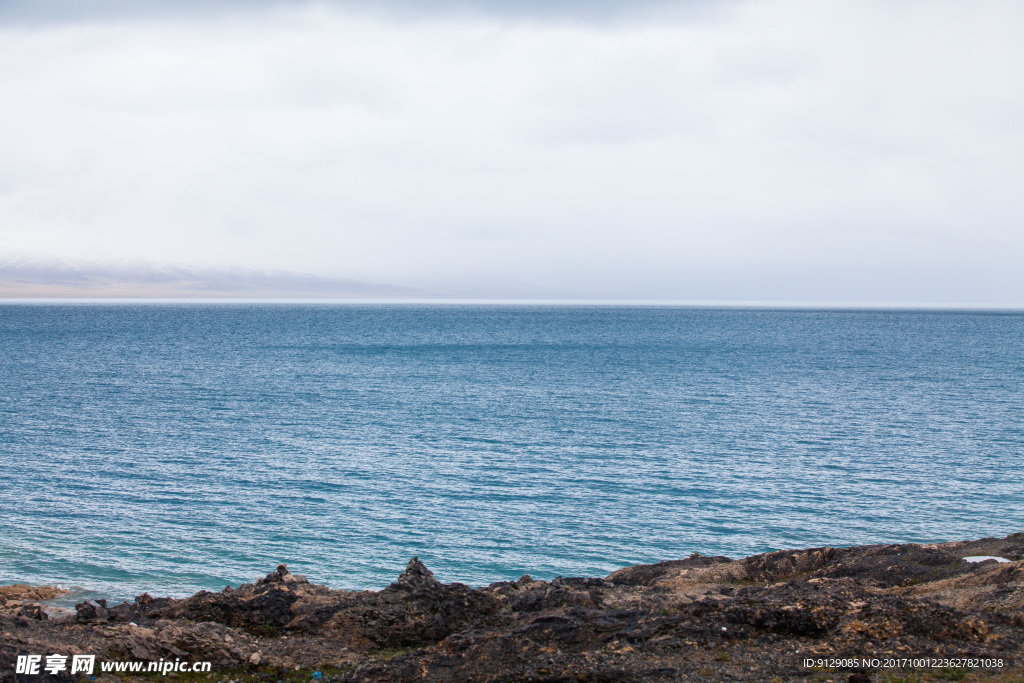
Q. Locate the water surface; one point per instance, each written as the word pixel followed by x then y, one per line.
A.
pixel 176 447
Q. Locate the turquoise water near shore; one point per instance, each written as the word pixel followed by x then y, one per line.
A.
pixel 171 448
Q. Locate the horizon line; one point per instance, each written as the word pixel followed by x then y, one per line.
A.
pixel 652 303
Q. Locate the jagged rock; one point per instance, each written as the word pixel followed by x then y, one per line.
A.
pixel 91 610
pixel 22 592
pixel 647 574
pixel 416 609
pixel 32 612
pixel 143 609
pixel 417 576
pixel 785 564
pixel 281 575
pixel 222 646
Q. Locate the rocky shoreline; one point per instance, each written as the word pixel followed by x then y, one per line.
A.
pixel 820 614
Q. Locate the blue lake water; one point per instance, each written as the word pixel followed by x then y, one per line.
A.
pixel 176 447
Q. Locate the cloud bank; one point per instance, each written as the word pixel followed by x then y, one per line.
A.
pixel 778 150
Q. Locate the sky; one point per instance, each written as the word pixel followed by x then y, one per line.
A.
pixel 779 150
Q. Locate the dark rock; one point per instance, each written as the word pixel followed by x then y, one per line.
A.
pixel 91 610
pixel 419 609
pixel 801 618
pixel 251 606
pixel 702 618
pixel 787 564
pixel 32 612
pixel 646 574
pixel 417 576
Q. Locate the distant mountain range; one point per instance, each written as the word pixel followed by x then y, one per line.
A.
pixel 58 279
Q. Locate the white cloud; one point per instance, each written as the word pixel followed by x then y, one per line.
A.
pixel 783 149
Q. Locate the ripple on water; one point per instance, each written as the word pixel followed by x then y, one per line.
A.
pixel 172 448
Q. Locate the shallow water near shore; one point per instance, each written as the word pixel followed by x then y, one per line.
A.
pixel 171 448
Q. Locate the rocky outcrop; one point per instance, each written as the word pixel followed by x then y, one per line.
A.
pixel 20 591
pixel 23 601
pixel 415 610
pixel 145 608
pixel 708 618
pixel 267 603
pixel 215 643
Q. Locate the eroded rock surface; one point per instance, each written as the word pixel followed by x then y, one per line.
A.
pixel 707 618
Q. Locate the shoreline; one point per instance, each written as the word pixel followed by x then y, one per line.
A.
pixel 765 617
pixel 71 591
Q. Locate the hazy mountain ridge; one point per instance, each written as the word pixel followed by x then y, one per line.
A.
pixel 54 278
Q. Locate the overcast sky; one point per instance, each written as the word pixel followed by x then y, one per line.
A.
pixel 782 150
